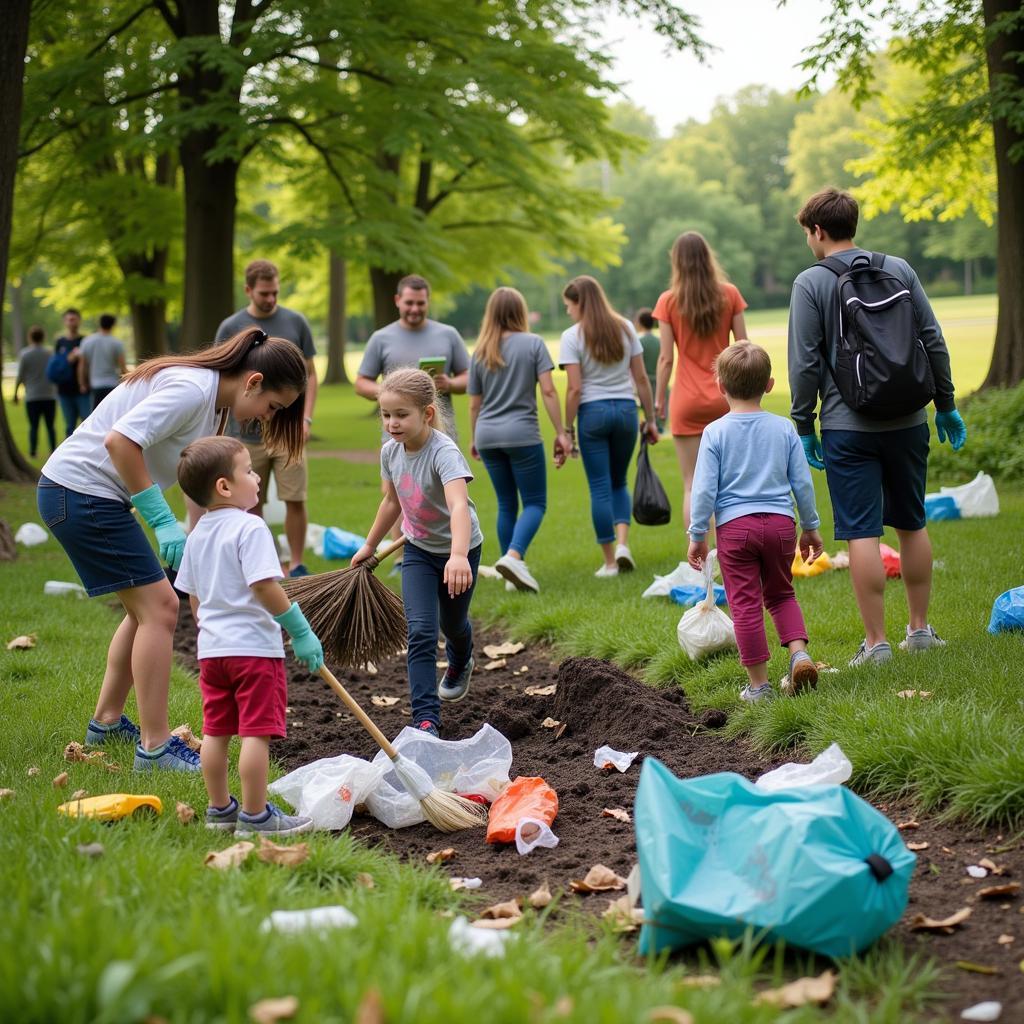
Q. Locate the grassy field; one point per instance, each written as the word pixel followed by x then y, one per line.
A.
pixel 147 930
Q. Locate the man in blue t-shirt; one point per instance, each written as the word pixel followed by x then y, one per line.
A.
pixel 75 400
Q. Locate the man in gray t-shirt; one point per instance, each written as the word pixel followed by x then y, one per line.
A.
pixel 101 363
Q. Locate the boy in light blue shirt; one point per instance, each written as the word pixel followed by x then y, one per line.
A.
pixel 749 467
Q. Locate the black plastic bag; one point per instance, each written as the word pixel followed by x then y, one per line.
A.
pixel 650 502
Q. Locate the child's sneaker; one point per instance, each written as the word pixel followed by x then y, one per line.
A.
pixel 624 558
pixel 921 640
pixel 273 821
pixel 514 570
pixel 803 674
pixel 298 571
pixel 455 685
pixel 877 655
pixel 124 731
pixel 752 694
pixel 607 571
pixel 173 755
pixel 222 819
pixel 428 727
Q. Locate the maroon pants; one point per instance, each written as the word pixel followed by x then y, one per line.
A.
pixel 756 555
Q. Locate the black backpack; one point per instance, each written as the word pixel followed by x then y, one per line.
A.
pixel 881 366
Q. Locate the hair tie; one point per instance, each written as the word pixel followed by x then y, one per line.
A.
pixel 258 338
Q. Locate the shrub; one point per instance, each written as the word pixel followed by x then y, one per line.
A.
pixel 995 421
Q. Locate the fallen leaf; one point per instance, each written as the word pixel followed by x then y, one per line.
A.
pixel 908 825
pixel 560 730
pixel 623 916
pixel 441 856
pixel 185 813
pixel 493 666
pixel 1005 940
pixel 973 968
pixel 287 856
pixel 5 793
pixel 700 981
pixel 995 869
pixel 617 813
pixel 540 897
pixel 550 723
pixel 75 752
pixel 270 1011
pixel 946 849
pixel 370 669
pixel 598 879
pixel 90 849
pixel 917 847
pixel 541 691
pixel 921 923
pixel 370 1009
pixel 365 879
pixel 497 924
pixel 22 643
pixel 60 781
pixel 521 671
pixel 32 772
pixel 1005 889
pixel 669 1015
pixel 230 857
pixel 801 992
pixel 504 650
pixel 502 911
pixel 189 738
pixel 379 701
pixel 910 694
pixel 79 794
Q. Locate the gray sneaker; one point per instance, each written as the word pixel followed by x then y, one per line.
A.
pixel 174 755
pixel 454 687
pixel 272 822
pixel 752 694
pixel 223 819
pixel 876 655
pixel 921 640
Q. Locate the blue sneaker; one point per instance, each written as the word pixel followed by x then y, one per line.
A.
pixel 174 755
pixel 273 821
pixel 222 819
pixel 455 686
pixel 298 570
pixel 124 731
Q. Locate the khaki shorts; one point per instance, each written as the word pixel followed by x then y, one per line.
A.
pixel 291 479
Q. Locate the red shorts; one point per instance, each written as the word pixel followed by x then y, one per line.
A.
pixel 243 696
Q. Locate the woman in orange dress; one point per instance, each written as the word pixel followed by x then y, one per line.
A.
pixel 695 315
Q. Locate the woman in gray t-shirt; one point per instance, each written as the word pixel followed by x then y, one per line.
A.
pixel 507 365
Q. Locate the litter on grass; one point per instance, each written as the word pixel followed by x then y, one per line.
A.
pixel 313 919
pixel 340 543
pixel 22 643
pixel 1007 612
pixel 469 941
pixel 531 833
pixel 890 561
pixel 527 799
pixel 55 588
pixel 705 629
pixel 682 575
pixel 806 569
pixel 831 766
pixel 975 499
pixel 329 790
pixel 606 757
pixel 987 1011
pixel 505 650
pixel 31 534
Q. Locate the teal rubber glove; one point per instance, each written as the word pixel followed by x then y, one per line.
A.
pixel 951 425
pixel 170 537
pixel 812 449
pixel 305 645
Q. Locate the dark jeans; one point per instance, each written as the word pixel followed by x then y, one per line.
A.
pixel 44 409
pixel 427 603
pixel 98 394
pixel 608 430
pixel 75 408
pixel 515 473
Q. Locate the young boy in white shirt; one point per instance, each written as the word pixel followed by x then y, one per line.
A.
pixel 230 570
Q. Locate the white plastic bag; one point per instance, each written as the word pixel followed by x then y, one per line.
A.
pixel 605 756
pixel 705 628
pixel 531 833
pixel 273 506
pixel 683 575
pixel 31 534
pixel 830 766
pixel 975 499
pixel 475 766
pixel 54 588
pixel 329 789
pixel 467 940
pixel 318 919
pixel 314 542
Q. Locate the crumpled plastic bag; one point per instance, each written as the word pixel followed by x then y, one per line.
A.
pixel 340 543
pixel 54 588
pixel 975 499
pixel 532 833
pixel 801 568
pixel 890 562
pixel 682 575
pixel 939 507
pixel 328 790
pixel 1008 612
pixel 690 594
pixel 467 940
pixel 477 766
pixel 318 919
pixel 705 629
pixel 314 541
pixel 31 534
pixel 605 756
pixel 525 798
pixel 831 767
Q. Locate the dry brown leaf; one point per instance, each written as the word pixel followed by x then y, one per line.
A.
pixel 921 923
pixel 90 849
pixel 189 738
pixel 911 694
pixel 550 723
pixel 33 772
pixel 598 879
pixel 60 781
pixel 5 793
pixel 270 1011
pixel 441 856
pixel 540 897
pixel 700 981
pixel 521 671
pixel 505 650
pixel 287 856
pixel 801 992
pixel 184 812
pixel 370 1009
pixel 497 924
pixel 563 1006
pixel 1005 940
pixel 904 825
pixel 75 752
pixel 541 691
pixel 230 857
pixel 560 730
pixel 493 666
pixel 500 911
pixel 22 643
pixel 917 847
pixel 993 868
pixel 365 879
pixel 973 968
pixel 993 891
pixel 379 701
pixel 370 669
pixel 623 916
pixel 670 1015
pixel 79 794
pixel 617 813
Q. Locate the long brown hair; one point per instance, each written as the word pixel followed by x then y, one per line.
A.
pixel 697 283
pixel 604 331
pixel 250 351
pixel 506 311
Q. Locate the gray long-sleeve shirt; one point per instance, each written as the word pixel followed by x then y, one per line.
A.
pixel 814 316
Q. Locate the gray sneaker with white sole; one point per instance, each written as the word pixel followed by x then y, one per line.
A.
pixel 921 640
pixel 877 655
pixel 272 822
pixel 455 685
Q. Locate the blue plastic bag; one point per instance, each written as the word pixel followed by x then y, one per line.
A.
pixel 340 543
pixel 813 865
pixel 689 595
pixel 1008 612
pixel 941 506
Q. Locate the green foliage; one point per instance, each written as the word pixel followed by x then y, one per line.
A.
pixel 995 424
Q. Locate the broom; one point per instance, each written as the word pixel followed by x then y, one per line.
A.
pixel 448 812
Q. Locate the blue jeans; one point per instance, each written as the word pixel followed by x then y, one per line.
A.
pixel 75 408
pixel 608 430
pixel 515 473
pixel 426 600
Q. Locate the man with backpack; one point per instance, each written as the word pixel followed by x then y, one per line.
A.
pixel 863 337
pixel 62 369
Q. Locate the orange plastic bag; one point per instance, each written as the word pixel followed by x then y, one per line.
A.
pixel 890 561
pixel 522 798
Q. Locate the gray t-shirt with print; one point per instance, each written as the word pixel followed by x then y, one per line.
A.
pixel 419 478
pixel 508 410
pixel 282 323
pixel 104 353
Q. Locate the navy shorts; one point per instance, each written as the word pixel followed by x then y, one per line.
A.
pixel 102 537
pixel 876 479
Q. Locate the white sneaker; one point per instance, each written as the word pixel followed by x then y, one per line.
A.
pixel 514 570
pixel 607 570
pixel 624 558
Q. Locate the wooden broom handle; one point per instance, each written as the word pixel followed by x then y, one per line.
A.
pixel 374 560
pixel 364 719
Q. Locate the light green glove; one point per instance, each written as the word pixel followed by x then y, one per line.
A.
pixel 305 645
pixel 170 537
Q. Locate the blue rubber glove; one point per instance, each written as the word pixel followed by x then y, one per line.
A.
pixel 812 449
pixel 305 645
pixel 170 537
pixel 951 425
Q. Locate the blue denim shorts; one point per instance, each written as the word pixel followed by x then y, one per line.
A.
pixel 103 539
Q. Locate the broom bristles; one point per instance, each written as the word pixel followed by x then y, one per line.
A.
pixel 450 812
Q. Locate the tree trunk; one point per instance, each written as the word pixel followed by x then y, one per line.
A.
pixel 149 323
pixel 17 318
pixel 384 283
pixel 968 277
pixel 13 44
pixel 1007 367
pixel 337 320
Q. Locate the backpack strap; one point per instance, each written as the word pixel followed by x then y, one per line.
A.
pixel 877 259
pixel 835 264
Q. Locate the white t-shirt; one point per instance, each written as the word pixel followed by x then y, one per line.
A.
pixel 161 415
pixel 601 380
pixel 225 554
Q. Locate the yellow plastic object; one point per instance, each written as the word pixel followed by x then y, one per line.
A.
pixel 821 564
pixel 112 806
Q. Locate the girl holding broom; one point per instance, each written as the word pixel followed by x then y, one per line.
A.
pixel 123 457
pixel 426 476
